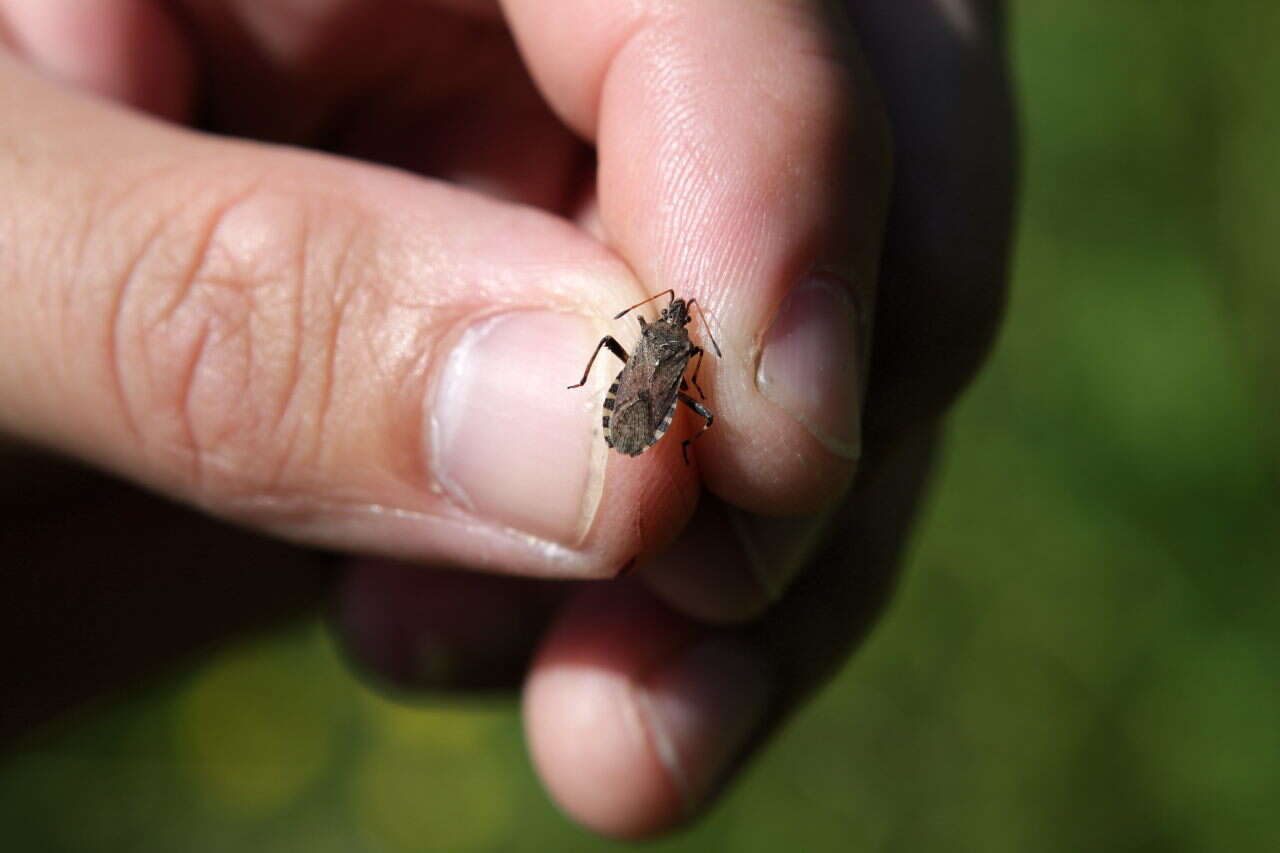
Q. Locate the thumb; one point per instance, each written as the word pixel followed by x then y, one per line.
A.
pixel 343 355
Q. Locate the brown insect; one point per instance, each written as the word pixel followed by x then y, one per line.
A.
pixel 642 400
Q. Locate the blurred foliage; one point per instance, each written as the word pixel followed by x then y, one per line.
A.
pixel 1084 653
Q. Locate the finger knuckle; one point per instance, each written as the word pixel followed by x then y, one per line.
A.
pixel 225 343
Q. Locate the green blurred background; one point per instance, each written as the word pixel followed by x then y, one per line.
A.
pixel 1084 653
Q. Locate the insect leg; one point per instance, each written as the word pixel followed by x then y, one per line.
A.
pixel 614 347
pixel 703 315
pixel 702 411
pixel 697 353
pixel 668 292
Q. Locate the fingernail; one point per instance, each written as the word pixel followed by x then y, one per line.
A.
pixel 809 363
pixel 701 711
pixel 776 548
pixel 506 440
pixel 703 576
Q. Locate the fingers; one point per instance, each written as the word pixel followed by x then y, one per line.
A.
pixel 342 355
pixel 127 50
pixel 947 246
pixel 832 606
pixel 415 628
pixel 742 161
pixel 728 566
pixel 632 713
pixel 636 716
pixel 435 88
pixel 942 282
pixel 952 109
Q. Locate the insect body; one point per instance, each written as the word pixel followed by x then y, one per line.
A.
pixel 642 400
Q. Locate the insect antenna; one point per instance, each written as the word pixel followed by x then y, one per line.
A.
pixel 669 292
pixel 705 327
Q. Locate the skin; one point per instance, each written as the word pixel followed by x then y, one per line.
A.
pixel 236 326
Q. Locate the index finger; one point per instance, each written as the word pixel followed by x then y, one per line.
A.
pixel 743 161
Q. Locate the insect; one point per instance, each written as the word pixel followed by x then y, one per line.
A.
pixel 642 400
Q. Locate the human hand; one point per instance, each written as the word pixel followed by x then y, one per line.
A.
pixel 372 362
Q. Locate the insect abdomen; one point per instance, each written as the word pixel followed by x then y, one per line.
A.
pixel 609 402
pixel 633 426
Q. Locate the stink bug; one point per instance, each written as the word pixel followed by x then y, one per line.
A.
pixel 642 400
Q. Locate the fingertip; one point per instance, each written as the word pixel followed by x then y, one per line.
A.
pixel 582 721
pixel 634 715
pixel 647 501
pixel 742 146
pixel 789 399
pixel 767 464
pixel 592 755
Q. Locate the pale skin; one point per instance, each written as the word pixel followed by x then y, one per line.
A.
pixel 291 342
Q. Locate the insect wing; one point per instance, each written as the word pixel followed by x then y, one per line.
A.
pixel 641 403
pixel 630 430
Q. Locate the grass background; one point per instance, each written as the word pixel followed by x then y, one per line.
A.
pixel 1084 653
